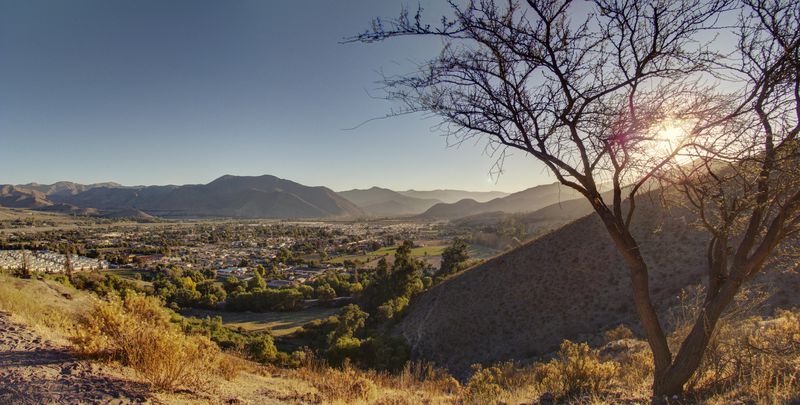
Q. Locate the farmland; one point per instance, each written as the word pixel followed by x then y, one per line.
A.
pixel 279 323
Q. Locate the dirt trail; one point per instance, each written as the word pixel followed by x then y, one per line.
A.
pixel 34 370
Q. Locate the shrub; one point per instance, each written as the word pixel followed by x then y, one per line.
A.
pixel 138 333
pixel 576 370
pixel 618 333
pixel 754 358
pixel 346 385
pixel 484 386
pixel 262 349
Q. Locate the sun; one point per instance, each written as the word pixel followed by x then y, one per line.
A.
pixel 671 132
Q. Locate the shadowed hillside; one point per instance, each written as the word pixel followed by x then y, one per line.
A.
pixel 384 202
pixel 528 200
pixel 568 284
pixel 451 196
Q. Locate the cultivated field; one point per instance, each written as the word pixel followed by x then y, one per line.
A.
pixel 280 323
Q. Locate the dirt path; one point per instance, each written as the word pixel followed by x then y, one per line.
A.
pixel 33 371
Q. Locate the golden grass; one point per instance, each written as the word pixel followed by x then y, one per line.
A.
pixel 42 305
pixel 751 359
pixel 138 333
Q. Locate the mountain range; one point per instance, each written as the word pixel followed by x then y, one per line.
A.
pixel 271 197
pixel 228 196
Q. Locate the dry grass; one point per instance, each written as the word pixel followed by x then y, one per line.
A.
pixel 751 359
pixel 138 333
pixel 416 383
pixel 48 307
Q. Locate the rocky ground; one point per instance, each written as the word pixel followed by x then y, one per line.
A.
pixel 35 370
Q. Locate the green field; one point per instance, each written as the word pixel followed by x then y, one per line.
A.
pixel 390 250
pixel 281 323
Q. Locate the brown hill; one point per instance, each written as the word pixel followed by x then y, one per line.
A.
pixel 18 197
pixel 568 284
pixel 228 196
pixel 66 187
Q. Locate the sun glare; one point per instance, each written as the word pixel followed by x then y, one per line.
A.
pixel 671 132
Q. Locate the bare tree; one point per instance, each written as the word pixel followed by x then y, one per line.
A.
pixel 587 91
pixel 744 177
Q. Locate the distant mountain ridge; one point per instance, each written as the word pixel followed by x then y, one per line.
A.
pixel 527 200
pixel 451 196
pixel 228 196
pixel 245 197
pixel 379 201
pixel 66 187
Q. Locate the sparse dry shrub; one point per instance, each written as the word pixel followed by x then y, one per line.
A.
pixel 635 364
pixel 748 356
pixel 502 382
pixel 617 333
pixel 754 358
pixel 230 366
pixel 426 377
pixel 576 370
pixel 137 333
pixel 346 385
pixel 484 386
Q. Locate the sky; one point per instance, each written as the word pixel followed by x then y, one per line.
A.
pixel 183 91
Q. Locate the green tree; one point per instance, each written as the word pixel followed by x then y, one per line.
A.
pixel 325 293
pixel 256 283
pixel 454 257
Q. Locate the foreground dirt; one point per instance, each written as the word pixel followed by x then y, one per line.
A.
pixel 35 370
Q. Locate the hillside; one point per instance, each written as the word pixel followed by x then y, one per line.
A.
pixel 65 187
pixel 568 284
pixel 527 200
pixel 384 202
pixel 19 197
pixel 39 365
pixel 451 196
pixel 228 196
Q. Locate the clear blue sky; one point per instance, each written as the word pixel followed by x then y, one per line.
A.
pixel 183 91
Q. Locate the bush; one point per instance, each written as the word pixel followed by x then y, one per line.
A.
pixel 754 358
pixel 618 333
pixel 346 386
pixel 576 370
pixel 484 386
pixel 138 333
pixel 262 349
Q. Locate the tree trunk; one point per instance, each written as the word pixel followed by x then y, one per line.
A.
pixel 654 333
pixel 695 344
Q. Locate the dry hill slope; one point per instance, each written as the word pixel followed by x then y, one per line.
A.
pixel 35 370
pixel 568 284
